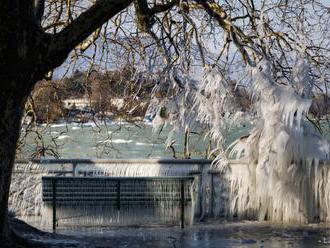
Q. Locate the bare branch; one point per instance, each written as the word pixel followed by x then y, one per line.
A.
pixel 145 14
pixel 79 29
pixel 216 11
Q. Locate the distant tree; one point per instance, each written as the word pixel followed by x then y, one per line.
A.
pixel 101 92
pixel 46 104
pixel 75 86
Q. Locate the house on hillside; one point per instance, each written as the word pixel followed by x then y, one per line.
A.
pixel 81 104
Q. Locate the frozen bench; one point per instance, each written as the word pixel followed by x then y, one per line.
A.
pixel 115 192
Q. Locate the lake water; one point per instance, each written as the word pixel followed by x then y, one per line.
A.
pixel 113 140
pixel 118 140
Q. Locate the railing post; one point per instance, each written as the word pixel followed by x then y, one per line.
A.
pixel 54 203
pixel 118 195
pixel 74 166
pixel 182 203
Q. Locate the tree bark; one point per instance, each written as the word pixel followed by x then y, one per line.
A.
pixel 11 109
pixel 17 61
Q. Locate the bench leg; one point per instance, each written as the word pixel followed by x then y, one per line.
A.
pixel 182 204
pixel 54 204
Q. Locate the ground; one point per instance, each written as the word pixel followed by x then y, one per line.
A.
pixel 210 234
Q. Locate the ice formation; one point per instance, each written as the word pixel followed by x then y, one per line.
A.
pixel 25 191
pixel 280 177
pixel 171 104
pixel 188 104
pixel 283 180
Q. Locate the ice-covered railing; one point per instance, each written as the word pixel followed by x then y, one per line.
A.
pixel 117 167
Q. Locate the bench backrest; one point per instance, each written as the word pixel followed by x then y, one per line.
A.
pixel 114 190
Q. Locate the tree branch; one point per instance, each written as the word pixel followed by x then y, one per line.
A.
pixel 217 12
pixel 65 41
pixel 145 15
pixel 164 7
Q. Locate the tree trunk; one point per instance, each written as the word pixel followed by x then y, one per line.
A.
pixel 11 109
pixel 26 54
